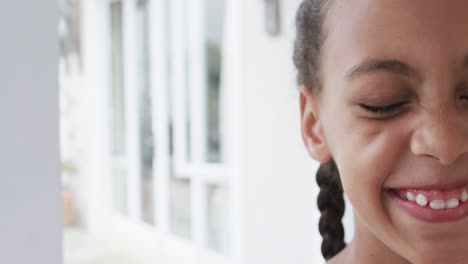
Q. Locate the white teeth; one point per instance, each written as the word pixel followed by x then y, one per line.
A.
pixel 437 204
pixel 410 196
pixel 452 203
pixel 421 200
pixel 464 196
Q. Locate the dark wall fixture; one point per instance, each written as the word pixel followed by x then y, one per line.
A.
pixel 272 17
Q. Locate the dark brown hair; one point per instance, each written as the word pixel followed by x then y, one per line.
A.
pixel 309 41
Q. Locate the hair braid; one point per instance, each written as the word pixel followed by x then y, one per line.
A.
pixel 331 205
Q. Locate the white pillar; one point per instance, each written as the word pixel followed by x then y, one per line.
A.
pixel 95 185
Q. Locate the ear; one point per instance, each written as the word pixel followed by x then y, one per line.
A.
pixel 311 127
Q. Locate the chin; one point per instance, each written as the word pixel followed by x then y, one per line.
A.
pixel 420 241
pixel 439 250
pixel 437 256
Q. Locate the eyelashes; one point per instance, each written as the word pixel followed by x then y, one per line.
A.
pixel 386 109
pixel 382 109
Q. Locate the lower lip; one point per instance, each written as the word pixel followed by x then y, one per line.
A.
pixel 427 214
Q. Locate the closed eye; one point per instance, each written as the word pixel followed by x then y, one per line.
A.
pixel 382 109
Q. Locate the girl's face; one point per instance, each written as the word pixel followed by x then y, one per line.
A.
pixel 393 113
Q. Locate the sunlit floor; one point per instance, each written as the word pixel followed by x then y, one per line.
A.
pixel 83 248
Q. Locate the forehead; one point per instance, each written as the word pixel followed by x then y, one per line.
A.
pixel 426 34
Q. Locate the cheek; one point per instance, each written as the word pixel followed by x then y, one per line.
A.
pixel 366 153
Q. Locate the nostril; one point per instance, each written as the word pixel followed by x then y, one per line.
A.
pixel 440 141
pixel 430 156
pixel 445 160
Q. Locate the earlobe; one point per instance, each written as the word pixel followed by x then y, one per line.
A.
pixel 311 127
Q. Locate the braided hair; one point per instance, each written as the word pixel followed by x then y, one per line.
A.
pixel 331 205
pixel 307 46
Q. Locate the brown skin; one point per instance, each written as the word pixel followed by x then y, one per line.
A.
pixel 423 142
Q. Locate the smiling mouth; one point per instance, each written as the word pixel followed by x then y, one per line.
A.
pixel 432 205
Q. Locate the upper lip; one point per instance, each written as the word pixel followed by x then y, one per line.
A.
pixel 433 186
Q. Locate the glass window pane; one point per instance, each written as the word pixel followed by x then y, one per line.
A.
pixel 180 211
pixel 214 25
pixel 119 173
pixel 188 92
pixel 145 109
pixel 117 89
pixel 169 71
pixel 217 219
pixel 119 190
pixel 180 220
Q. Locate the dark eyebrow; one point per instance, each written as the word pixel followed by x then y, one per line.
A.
pixel 377 65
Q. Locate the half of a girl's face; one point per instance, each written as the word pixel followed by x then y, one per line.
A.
pixel 394 109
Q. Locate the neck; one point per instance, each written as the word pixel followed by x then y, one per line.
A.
pixel 367 248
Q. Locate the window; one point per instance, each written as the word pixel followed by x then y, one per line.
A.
pixel 168 167
pixel 199 169
pixel 156 122
pixel 118 136
pixel 146 137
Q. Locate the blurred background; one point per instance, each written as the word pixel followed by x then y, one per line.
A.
pixel 180 138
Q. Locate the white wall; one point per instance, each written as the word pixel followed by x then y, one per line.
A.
pixel 30 221
pixel 281 211
pixel 281 191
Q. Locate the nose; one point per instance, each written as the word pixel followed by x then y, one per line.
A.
pixel 441 137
